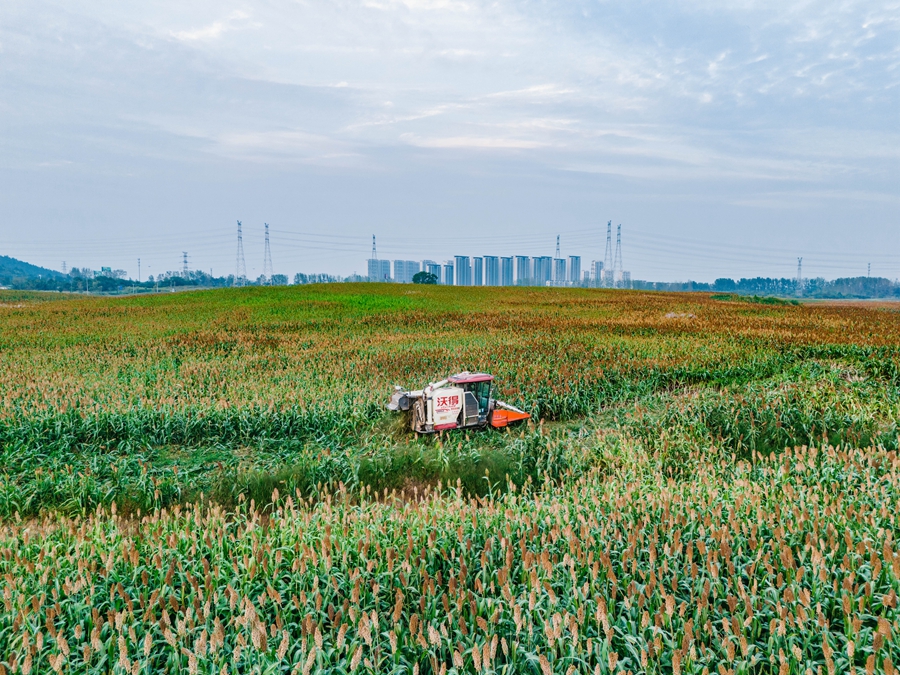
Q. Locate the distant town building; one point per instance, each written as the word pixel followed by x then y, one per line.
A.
pixel 541 270
pixel 575 269
pixel 379 270
pixel 463 270
pixel 491 270
pixel 432 268
pixel 523 270
pixel 559 271
pixel 506 271
pixel 405 270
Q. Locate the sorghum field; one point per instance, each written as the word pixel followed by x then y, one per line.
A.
pixel 209 483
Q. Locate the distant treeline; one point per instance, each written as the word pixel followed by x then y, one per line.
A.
pixel 116 281
pixel 849 287
pixel 24 276
pixel 112 281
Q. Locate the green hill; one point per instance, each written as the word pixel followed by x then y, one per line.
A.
pixel 10 268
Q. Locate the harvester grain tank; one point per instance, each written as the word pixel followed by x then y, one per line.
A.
pixel 461 401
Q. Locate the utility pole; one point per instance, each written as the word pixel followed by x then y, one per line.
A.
pixel 869 271
pixel 139 270
pixel 267 259
pixel 617 263
pixel 376 266
pixel 557 246
pixel 799 275
pixel 64 267
pixel 184 268
pixel 240 272
pixel 608 254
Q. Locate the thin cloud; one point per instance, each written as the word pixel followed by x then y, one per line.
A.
pixel 472 143
pixel 419 5
pixel 214 30
pixel 284 146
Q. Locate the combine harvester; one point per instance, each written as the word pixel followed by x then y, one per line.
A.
pixel 462 401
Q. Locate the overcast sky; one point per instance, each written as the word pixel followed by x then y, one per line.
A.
pixel 728 139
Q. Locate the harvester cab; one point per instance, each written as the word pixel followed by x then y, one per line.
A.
pixel 461 401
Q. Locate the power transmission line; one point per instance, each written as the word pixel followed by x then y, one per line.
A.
pixel 267 259
pixel 654 253
pixel 653 248
pixel 240 274
pixel 617 264
pixel 608 253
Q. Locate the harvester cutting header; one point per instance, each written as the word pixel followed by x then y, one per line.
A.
pixel 462 401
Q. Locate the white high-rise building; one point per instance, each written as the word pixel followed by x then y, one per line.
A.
pixel 575 269
pixel 506 271
pixel 541 270
pixel 523 270
pixel 432 267
pixel 559 271
pixel 463 271
pixel 405 270
pixel 379 270
pixel 491 270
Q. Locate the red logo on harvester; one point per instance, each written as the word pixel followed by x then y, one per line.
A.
pixel 448 401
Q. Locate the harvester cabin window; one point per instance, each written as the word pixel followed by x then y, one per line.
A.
pixel 482 393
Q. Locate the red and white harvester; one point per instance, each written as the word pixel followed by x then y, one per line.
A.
pixel 462 401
